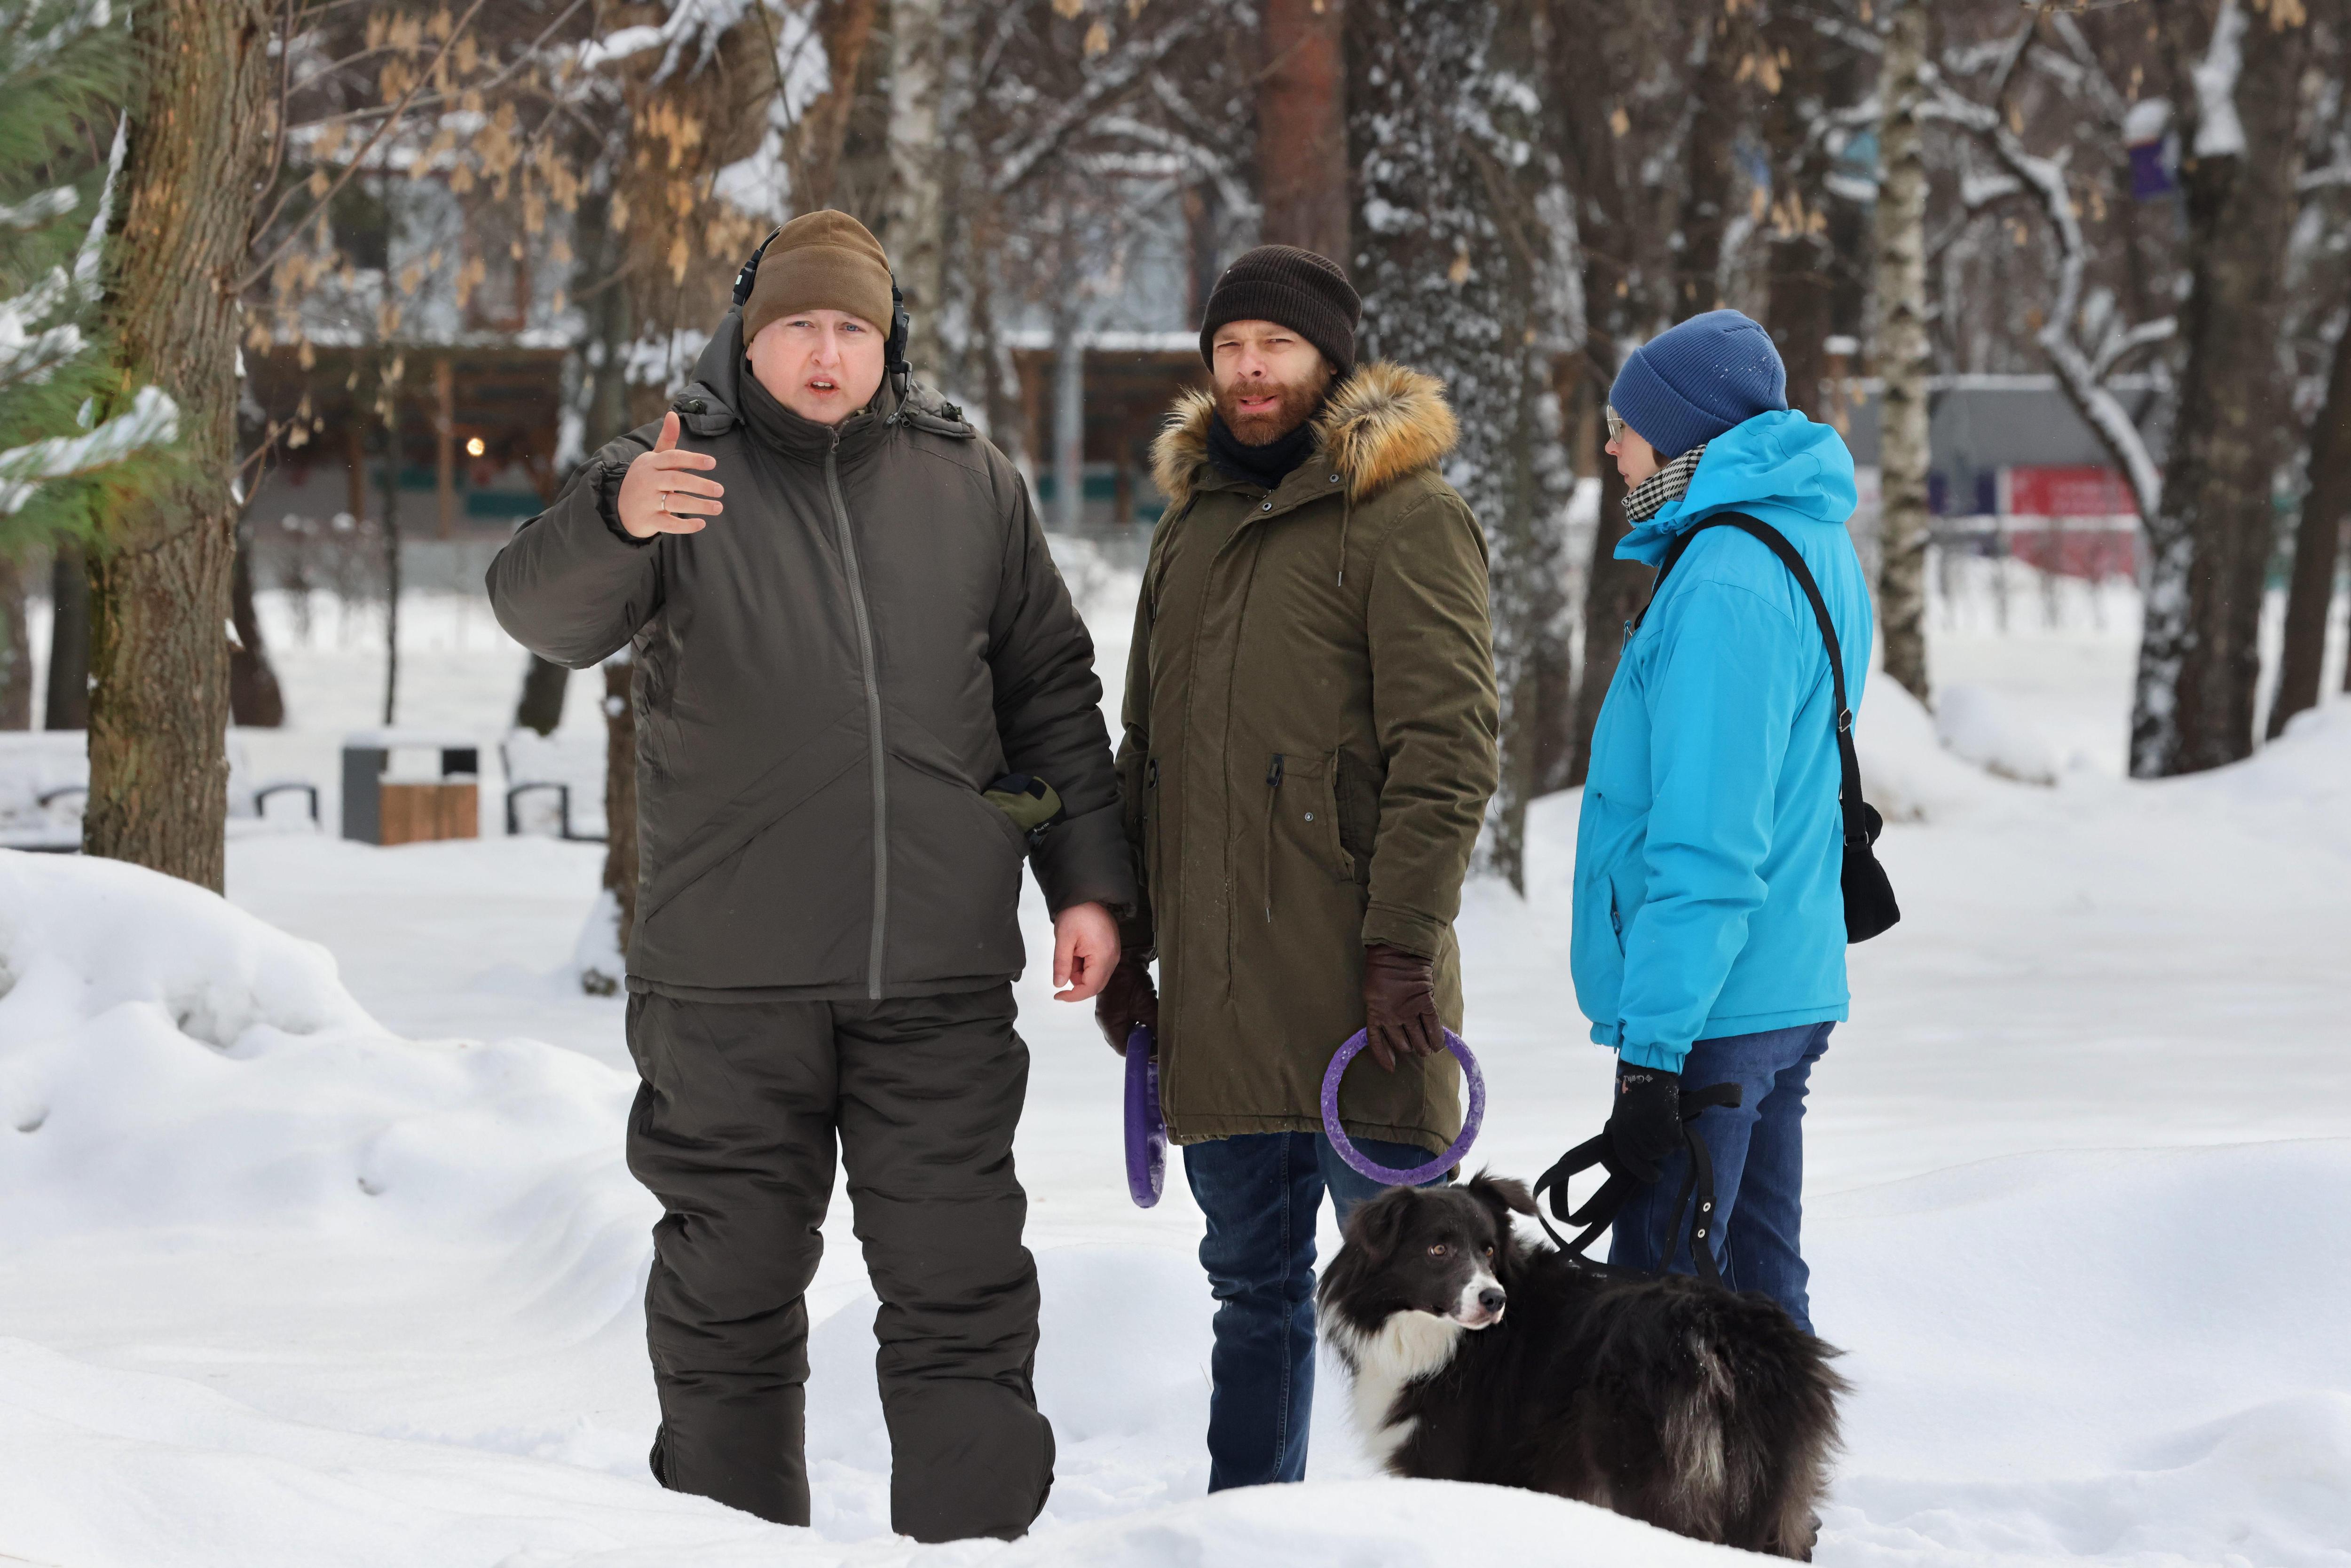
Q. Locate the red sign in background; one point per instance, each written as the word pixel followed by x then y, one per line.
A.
pixel 2068 492
pixel 2046 509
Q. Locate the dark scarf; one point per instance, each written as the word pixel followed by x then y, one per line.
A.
pixel 1267 466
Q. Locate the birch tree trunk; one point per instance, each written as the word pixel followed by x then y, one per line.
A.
pixel 912 225
pixel 2316 541
pixel 1902 352
pixel 1301 127
pixel 2210 541
pixel 160 579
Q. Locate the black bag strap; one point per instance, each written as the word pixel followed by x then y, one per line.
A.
pixel 1856 826
pixel 1600 1209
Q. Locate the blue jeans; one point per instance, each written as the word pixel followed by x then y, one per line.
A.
pixel 1759 1169
pixel 1261 1193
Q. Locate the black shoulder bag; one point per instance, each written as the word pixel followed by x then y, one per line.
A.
pixel 1869 906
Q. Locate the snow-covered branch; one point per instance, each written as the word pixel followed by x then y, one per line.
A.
pixel 2111 102
pixel 2218 132
pixel 41 207
pixel 39 329
pixel 1104 83
pixel 2121 346
pixel 152 420
pixel 1207 162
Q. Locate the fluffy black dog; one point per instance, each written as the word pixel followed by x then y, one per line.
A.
pixel 1476 1358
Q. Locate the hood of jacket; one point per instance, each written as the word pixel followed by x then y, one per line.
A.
pixel 1779 467
pixel 1381 423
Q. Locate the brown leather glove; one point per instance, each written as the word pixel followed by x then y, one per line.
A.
pixel 1400 1005
pixel 1127 1000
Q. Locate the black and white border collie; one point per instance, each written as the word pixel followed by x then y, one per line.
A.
pixel 1476 1358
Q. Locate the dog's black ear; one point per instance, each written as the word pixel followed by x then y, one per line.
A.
pixel 1503 1193
pixel 1378 1226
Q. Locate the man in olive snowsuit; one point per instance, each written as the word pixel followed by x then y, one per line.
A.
pixel 1310 722
pixel 830 678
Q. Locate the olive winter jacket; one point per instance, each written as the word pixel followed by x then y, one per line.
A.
pixel 1311 721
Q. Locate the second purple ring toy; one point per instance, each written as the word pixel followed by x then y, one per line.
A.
pixel 1417 1173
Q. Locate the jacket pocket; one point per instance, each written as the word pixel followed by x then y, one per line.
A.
pixel 1301 818
pixel 954 868
pixel 1607 836
pixel 1355 787
pixel 1152 827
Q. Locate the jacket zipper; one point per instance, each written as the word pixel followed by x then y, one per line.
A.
pixel 872 718
pixel 1272 798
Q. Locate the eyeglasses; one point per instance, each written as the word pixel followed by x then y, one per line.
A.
pixel 1616 423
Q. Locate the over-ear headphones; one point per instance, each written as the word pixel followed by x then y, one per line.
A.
pixel 894 347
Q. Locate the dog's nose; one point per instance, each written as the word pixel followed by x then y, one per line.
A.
pixel 1491 1299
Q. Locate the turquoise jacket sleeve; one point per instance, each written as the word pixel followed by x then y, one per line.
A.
pixel 1724 684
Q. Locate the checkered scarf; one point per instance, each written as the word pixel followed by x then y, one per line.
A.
pixel 1645 499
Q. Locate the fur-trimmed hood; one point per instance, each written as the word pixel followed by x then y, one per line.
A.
pixel 1383 423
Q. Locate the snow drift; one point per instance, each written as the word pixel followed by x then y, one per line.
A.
pixel 280 1288
pixel 166 1059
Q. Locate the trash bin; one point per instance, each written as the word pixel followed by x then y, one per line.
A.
pixel 377 811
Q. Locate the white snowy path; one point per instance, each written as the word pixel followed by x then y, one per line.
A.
pixel 279 1287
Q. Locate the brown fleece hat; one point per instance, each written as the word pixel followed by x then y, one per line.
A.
pixel 820 261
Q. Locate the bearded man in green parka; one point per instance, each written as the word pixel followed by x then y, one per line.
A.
pixel 1310 719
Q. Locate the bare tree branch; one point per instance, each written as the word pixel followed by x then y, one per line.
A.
pixel 1115 77
pixel 261 269
pixel 2077 373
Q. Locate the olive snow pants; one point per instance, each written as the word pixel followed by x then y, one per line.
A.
pixel 732 1130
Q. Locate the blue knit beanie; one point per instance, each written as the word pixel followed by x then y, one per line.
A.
pixel 1692 381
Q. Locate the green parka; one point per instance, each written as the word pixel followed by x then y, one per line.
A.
pixel 1311 720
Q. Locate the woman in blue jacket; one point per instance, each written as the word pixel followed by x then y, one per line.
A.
pixel 1710 932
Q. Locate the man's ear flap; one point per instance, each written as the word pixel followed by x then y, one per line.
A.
pixel 1378 1226
pixel 1504 1194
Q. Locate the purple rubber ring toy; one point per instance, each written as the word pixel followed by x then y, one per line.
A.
pixel 1379 1173
pixel 1146 1133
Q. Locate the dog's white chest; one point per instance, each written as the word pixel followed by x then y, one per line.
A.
pixel 1407 1348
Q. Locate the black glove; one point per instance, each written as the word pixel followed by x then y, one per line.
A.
pixel 1128 999
pixel 1647 1124
pixel 1399 1005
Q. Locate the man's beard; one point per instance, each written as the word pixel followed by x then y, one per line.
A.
pixel 1297 405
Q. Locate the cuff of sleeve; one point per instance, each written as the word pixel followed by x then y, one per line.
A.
pixel 1654 1054
pixel 608 505
pixel 1405 930
pixel 1086 861
pixel 1136 938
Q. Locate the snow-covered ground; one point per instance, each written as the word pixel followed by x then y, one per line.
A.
pixel 316 1247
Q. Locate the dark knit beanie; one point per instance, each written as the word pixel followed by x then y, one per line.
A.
pixel 1307 293
pixel 820 261
pixel 1692 381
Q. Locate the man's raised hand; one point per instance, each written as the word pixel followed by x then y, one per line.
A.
pixel 662 494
